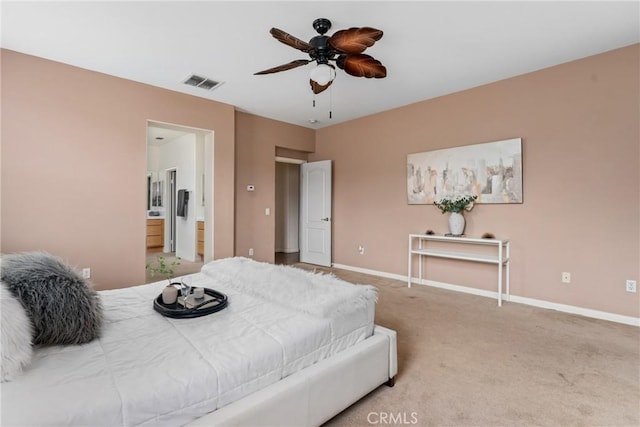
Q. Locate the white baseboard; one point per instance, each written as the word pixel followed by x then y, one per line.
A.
pixel 371 272
pixel 596 314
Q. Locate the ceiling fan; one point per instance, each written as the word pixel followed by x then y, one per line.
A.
pixel 344 47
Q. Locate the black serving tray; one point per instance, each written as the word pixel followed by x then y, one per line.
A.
pixel 213 302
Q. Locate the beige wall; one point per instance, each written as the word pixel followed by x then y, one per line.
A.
pixel 257 140
pixel 581 210
pixel 74 164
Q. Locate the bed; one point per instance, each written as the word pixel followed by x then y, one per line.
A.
pixel 292 348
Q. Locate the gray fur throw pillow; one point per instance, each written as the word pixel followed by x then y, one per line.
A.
pixel 63 308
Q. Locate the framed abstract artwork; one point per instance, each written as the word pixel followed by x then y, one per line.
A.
pixel 492 171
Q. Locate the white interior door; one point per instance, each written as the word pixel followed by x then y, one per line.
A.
pixel 315 213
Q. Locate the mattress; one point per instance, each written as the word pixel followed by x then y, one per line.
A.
pixel 147 369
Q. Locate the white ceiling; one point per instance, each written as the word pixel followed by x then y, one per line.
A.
pixel 159 134
pixel 429 48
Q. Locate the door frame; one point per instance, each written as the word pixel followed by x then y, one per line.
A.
pixel 208 136
pixel 278 214
pixel 170 211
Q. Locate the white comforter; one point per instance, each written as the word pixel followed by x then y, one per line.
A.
pixel 147 369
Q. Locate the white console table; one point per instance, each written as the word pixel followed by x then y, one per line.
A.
pixel 419 244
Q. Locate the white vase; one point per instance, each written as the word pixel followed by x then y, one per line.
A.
pixel 456 223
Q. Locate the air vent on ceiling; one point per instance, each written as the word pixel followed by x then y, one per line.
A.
pixel 201 82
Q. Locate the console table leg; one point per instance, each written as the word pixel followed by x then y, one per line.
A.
pixel 500 265
pixel 507 272
pixel 500 285
pixel 410 259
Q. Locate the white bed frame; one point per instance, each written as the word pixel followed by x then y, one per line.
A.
pixel 314 395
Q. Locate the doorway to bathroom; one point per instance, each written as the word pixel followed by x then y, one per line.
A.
pixel 179 168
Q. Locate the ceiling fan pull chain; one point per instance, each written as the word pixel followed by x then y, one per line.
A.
pixel 330 101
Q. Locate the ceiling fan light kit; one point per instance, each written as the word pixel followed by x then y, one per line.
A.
pixel 323 74
pixel 344 47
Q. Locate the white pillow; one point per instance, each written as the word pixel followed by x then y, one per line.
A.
pixel 16 333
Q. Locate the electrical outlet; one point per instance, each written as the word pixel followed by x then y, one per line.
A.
pixel 86 273
pixel 566 277
pixel 631 286
pixel 250 251
pixel 361 249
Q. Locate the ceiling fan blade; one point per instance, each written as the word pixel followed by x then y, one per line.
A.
pixel 317 88
pixel 355 40
pixel 290 40
pixel 284 67
pixel 361 65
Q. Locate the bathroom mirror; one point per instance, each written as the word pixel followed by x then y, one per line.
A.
pixel 156 194
pixel 155 190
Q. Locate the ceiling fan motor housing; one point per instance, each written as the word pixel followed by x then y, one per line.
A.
pixel 323 51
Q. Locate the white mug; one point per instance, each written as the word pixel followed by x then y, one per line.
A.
pixel 198 293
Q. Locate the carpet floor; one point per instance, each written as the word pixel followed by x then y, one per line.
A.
pixel 464 361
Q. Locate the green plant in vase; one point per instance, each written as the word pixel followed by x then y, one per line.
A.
pixel 455 206
pixel 161 267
